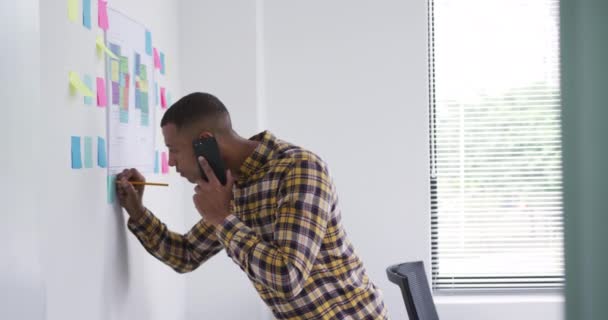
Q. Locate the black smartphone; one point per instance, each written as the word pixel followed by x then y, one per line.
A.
pixel 208 148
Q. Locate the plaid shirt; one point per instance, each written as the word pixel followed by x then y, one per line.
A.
pixel 285 233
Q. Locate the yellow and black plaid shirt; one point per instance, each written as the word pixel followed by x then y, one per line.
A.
pixel 285 233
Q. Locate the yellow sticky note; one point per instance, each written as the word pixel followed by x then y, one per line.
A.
pixel 79 85
pixel 102 47
pixel 114 70
pixel 73 10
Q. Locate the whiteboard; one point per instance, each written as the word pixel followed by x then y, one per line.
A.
pixel 129 82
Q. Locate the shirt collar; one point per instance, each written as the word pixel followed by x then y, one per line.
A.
pixel 260 156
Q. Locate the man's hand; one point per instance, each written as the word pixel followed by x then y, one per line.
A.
pixel 211 198
pixel 130 196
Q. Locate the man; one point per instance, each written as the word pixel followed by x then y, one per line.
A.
pixel 277 217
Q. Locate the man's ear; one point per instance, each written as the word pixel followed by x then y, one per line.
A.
pixel 205 134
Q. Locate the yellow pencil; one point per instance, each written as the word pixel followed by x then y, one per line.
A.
pixel 137 183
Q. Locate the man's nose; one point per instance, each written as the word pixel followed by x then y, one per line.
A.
pixel 172 162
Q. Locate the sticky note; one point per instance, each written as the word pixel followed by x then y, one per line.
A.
pixel 148 42
pixel 137 64
pixel 162 63
pixel 114 70
pixel 115 93
pixel 156 166
pixel 76 157
pixel 163 100
pixel 77 84
pixel 124 64
pixel 73 10
pixel 111 182
pixel 101 92
pixel 143 73
pixel 86 13
pixel 88 152
pixel 156 59
pixel 102 14
pixel 101 46
pixel 165 163
pixel 88 81
pixel 169 100
pixel 101 153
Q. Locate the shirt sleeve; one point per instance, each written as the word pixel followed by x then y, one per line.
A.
pixel 303 207
pixel 183 253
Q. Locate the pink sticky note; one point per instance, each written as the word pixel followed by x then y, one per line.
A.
pixel 163 100
pixel 101 92
pixel 165 163
pixel 156 59
pixel 102 6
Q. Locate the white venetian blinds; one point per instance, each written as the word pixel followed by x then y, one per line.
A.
pixel 496 173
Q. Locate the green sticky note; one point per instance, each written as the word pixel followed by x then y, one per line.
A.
pixel 143 74
pixel 124 64
pixel 111 188
pixel 88 152
pixel 73 10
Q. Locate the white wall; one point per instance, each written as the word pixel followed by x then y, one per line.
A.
pixel 218 55
pixel 21 282
pixel 93 267
pixel 348 79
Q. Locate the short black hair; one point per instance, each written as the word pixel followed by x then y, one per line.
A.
pixel 193 108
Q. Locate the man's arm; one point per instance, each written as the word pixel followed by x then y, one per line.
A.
pixel 304 205
pixel 183 253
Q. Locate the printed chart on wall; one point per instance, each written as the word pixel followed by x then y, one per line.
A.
pixel 131 121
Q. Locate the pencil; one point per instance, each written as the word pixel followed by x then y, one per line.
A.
pixel 137 183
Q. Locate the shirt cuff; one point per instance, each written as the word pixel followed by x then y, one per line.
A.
pixel 145 227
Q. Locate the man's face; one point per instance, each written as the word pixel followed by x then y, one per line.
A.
pixel 181 152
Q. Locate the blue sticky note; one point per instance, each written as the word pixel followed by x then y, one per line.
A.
pixel 156 164
pixel 148 43
pixel 162 63
pixel 111 188
pixel 88 152
pixel 86 13
pixel 76 158
pixel 88 81
pixel 169 99
pixel 101 153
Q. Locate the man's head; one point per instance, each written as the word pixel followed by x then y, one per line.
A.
pixel 196 115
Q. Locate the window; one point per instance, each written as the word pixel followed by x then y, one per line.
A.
pixel 496 172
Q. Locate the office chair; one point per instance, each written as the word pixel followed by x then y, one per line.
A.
pixel 411 278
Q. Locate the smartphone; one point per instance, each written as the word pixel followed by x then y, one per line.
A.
pixel 208 148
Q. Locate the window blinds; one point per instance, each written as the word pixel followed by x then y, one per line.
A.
pixel 496 172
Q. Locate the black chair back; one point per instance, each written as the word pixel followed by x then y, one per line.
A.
pixel 411 278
